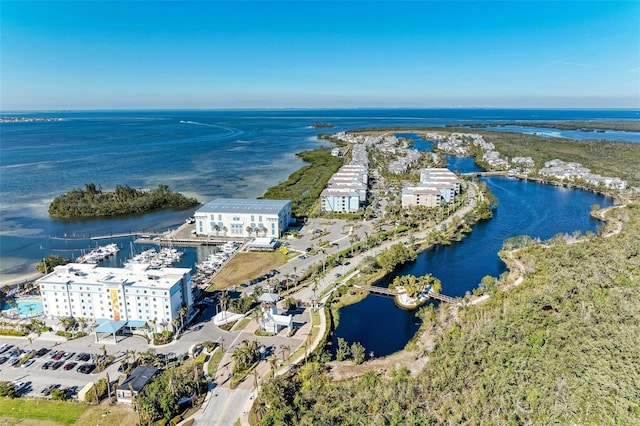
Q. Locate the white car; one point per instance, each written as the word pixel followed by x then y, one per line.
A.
pixel 28 363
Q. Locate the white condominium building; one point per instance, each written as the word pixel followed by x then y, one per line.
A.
pixel 136 292
pixel 340 200
pixel 421 196
pixel 242 218
pixel 437 185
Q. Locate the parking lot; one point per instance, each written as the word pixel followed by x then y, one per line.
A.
pixel 42 371
pixel 65 372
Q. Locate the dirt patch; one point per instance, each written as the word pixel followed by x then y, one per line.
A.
pixel 108 415
pixel 245 266
pixel 10 421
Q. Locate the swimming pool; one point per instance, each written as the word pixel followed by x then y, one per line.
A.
pixel 27 307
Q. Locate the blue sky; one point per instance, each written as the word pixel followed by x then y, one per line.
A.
pixel 207 54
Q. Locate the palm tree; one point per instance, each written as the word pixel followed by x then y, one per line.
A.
pixel 286 277
pixel 285 348
pixel 176 324
pixel 224 301
pixel 273 363
pixel 314 289
pixel 182 311
pixel 216 228
pixel 257 315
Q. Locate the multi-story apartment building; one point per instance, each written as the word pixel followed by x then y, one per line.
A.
pixel 136 292
pixel 243 218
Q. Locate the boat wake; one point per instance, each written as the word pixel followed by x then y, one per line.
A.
pixel 231 132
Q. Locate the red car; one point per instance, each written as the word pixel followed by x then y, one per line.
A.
pixel 70 365
pixel 58 355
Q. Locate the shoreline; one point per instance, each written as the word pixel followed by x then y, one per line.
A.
pixel 14 280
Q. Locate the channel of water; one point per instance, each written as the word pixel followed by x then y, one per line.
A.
pixel 525 208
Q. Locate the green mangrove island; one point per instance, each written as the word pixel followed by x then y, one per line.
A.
pixel 93 202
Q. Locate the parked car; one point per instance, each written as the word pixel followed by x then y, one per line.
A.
pixel 28 362
pixel 56 365
pixel 70 365
pixel 47 391
pixel 67 355
pixel 41 352
pixel 46 365
pixel 86 368
pixel 4 348
pixel 13 361
pixel 58 355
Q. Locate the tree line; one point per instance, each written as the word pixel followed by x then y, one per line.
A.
pixel 560 348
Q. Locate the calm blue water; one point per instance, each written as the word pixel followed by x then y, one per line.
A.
pixel 525 208
pixel 206 154
pixel 609 135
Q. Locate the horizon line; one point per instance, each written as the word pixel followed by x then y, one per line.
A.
pixel 46 110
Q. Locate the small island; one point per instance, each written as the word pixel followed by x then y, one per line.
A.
pixel 320 125
pixel 93 202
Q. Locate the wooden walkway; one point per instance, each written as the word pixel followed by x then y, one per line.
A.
pixel 389 292
pixel 103 237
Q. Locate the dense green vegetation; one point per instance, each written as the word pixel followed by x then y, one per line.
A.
pixel 47 264
pixel 304 186
pixel 321 124
pixel 618 159
pixel 93 202
pixel 159 399
pixel 560 348
pixel 601 125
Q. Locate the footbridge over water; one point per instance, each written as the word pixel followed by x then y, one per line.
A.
pixel 384 291
pixel 480 174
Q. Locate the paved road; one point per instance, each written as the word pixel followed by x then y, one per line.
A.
pixel 223 406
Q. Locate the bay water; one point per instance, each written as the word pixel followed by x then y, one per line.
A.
pixel 205 154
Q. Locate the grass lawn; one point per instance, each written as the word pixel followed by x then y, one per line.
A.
pixel 245 266
pixel 214 361
pixel 38 411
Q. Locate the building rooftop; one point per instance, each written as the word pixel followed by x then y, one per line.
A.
pixel 242 205
pixel 140 275
pixel 139 377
